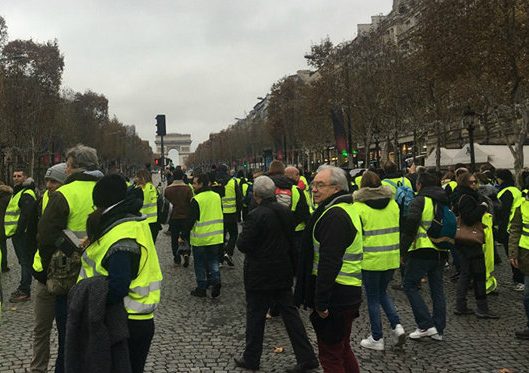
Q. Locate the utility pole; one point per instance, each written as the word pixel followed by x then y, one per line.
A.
pixel 161 131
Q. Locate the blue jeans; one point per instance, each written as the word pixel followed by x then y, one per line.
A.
pixel 433 268
pixel 526 298
pixel 376 283
pixel 25 259
pixel 206 262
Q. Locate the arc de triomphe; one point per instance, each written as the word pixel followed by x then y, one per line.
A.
pixel 178 141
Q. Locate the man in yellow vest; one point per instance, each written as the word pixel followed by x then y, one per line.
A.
pixel 207 236
pixel 5 195
pixel 423 259
pixel 228 189
pixel 330 278
pixel 44 301
pixel 519 246
pixel 68 208
pixel 510 198
pixel 19 225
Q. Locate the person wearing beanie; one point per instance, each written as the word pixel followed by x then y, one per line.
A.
pixel 510 198
pixel 68 208
pixel 44 306
pixel 120 247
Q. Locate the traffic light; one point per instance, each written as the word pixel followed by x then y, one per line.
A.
pixel 160 125
pixel 157 161
pixel 355 152
pixel 344 153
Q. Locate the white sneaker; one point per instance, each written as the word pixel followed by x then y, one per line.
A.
pixel 437 337
pixel 519 287
pixel 420 333
pixel 369 342
pixel 400 335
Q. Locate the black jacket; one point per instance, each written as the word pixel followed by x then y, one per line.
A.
pixel 412 221
pixel 267 241
pixel 470 209
pixel 335 232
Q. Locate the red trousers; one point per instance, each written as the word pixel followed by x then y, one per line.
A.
pixel 339 357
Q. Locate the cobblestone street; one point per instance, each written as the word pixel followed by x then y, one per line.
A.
pixel 203 335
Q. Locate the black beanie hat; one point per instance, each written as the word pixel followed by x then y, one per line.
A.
pixel 505 175
pixel 109 190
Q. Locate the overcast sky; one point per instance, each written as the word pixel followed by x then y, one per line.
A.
pixel 200 62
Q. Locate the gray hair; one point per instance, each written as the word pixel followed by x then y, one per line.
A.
pixel 264 187
pixel 338 176
pixel 83 157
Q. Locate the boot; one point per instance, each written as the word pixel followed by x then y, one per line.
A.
pixel 483 312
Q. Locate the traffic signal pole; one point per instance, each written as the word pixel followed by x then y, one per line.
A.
pixel 161 131
pixel 162 159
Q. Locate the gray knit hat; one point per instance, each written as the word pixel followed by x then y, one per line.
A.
pixel 57 172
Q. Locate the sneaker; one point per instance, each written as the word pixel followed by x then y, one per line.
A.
pixel 399 334
pixel 228 260
pixel 372 344
pixel 198 292
pixel 186 260
pixel 6 269
pixel 522 334
pixel 420 333
pixel 486 315
pixel 215 291
pixel 519 287
pixel 437 337
pixel 241 363
pixel 18 297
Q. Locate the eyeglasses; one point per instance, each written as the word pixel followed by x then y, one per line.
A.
pixel 320 185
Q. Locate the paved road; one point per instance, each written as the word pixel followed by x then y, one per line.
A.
pixel 203 335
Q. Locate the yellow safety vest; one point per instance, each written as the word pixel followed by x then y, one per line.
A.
pixel 37 260
pixel 12 213
pixel 488 252
pixel 209 228
pixel 229 201
pixel 381 236
pixel 144 290
pixel 517 201
pixel 351 271
pixel 404 181
pixel 244 190
pixel 524 238
pixel 295 200
pixel 422 241
pixel 78 195
pixel 308 196
pixel 150 206
pixel 452 184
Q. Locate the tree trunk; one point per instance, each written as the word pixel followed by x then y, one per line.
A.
pixel 32 160
pixel 522 136
pixel 438 147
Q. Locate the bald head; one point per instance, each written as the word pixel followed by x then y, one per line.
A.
pixel 292 173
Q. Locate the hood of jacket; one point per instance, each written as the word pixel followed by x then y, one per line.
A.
pixel 377 198
pixel 84 176
pixel 29 183
pixel 281 181
pixel 488 191
pixel 5 190
pixel 436 193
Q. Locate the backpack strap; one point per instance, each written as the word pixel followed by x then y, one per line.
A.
pixel 391 182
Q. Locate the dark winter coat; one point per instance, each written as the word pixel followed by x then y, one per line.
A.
pixel 514 238
pixel 5 195
pixel 335 232
pixel 267 241
pixel 412 221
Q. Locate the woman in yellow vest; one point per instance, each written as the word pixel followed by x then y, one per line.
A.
pixel 121 248
pixel 471 208
pixel 379 214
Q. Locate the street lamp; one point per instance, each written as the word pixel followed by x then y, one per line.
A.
pixel 469 116
pixel 377 146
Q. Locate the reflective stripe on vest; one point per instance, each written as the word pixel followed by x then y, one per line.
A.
pixel 209 228
pixel 422 241
pixel 488 252
pixel 351 271
pixel 37 261
pixel 381 236
pixel 150 206
pixel 144 290
pixel 229 201
pixel 12 213
pixel 516 201
pixel 524 238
